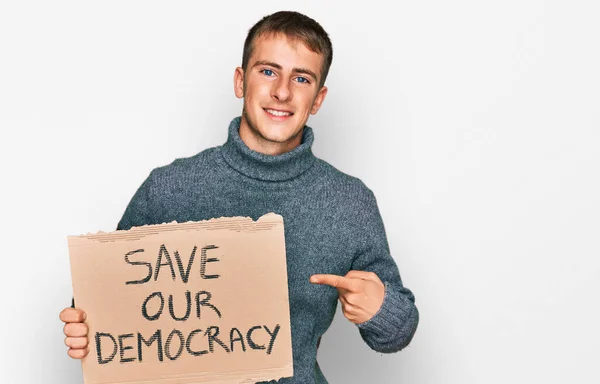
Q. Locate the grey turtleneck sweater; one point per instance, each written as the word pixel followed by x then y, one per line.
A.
pixel 332 225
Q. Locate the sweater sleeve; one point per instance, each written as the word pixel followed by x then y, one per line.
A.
pixel 394 325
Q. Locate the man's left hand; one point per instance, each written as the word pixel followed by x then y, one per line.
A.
pixel 361 293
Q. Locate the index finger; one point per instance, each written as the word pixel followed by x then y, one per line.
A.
pixel 72 315
pixel 363 275
pixel 334 281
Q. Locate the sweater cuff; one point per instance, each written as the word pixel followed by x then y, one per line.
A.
pixel 391 317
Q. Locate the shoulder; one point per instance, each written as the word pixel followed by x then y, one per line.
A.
pixel 343 185
pixel 185 168
pixel 344 198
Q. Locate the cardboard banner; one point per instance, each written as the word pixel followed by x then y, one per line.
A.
pixel 185 303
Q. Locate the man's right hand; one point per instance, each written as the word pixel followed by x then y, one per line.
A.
pixel 75 331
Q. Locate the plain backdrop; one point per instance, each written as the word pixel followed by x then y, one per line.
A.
pixel 476 123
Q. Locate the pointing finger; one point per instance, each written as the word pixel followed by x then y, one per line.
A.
pixel 363 275
pixel 334 281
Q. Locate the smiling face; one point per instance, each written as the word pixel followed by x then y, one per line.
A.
pixel 281 90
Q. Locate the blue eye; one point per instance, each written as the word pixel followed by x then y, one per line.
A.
pixel 302 79
pixel 267 72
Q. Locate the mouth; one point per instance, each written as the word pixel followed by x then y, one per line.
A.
pixel 278 114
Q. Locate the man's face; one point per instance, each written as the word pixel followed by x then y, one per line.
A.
pixel 281 89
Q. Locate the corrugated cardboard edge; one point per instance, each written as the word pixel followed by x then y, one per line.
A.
pixel 236 223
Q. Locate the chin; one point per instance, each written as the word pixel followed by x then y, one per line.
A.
pixel 279 133
pixel 276 136
pixel 272 131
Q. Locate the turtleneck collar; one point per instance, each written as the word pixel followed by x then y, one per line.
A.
pixel 266 167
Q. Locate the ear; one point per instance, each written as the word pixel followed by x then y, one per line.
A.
pixel 318 100
pixel 238 82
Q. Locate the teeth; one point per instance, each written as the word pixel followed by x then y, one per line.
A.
pixel 278 113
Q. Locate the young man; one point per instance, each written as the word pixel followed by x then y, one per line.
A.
pixel 335 240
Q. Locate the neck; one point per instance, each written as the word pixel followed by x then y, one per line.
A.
pixel 257 142
pixel 262 166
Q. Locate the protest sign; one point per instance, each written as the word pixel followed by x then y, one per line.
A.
pixel 183 303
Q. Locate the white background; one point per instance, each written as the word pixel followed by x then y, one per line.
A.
pixel 476 124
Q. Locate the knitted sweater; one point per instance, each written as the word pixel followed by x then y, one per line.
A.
pixel 332 225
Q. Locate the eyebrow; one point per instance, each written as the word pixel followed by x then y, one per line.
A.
pixel 277 66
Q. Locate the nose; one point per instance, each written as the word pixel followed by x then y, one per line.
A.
pixel 281 90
